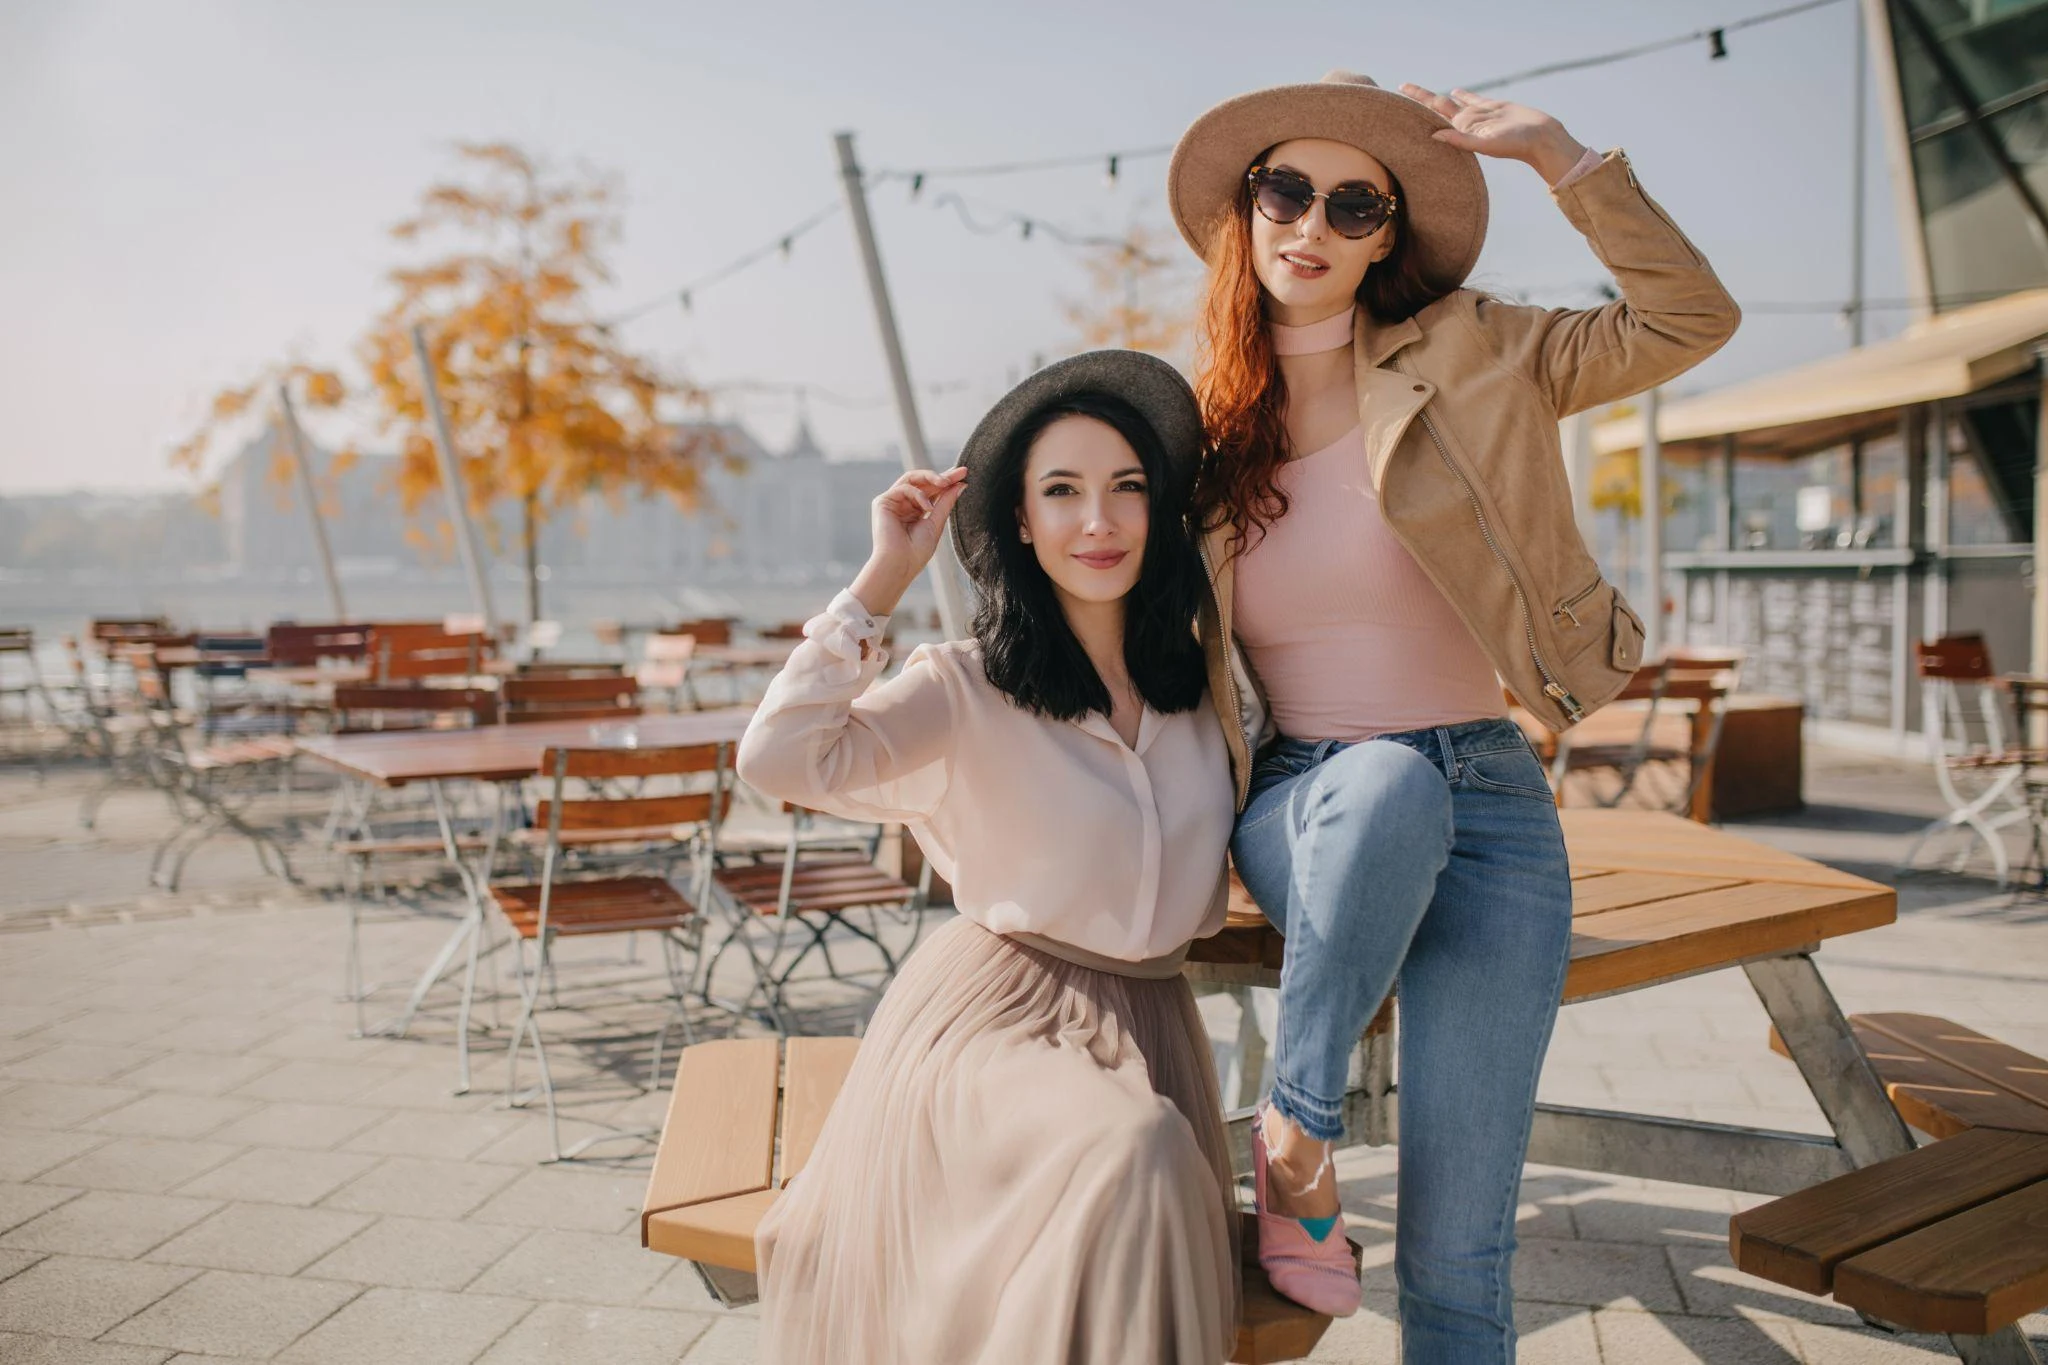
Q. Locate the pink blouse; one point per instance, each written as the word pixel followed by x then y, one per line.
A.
pixel 1047 827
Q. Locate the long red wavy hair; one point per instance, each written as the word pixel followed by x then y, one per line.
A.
pixel 1238 382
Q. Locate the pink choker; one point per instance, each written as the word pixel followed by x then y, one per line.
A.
pixel 1331 334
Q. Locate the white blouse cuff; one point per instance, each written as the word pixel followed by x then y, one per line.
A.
pixel 850 637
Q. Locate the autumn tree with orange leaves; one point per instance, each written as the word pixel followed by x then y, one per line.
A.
pixel 1137 298
pixel 232 409
pixel 547 407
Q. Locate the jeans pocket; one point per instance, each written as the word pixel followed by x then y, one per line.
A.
pixel 1511 772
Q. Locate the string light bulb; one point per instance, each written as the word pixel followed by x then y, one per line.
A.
pixel 1112 171
pixel 1719 39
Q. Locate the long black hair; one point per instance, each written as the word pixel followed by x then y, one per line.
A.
pixel 1028 650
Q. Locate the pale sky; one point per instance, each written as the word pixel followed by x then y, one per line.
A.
pixel 193 189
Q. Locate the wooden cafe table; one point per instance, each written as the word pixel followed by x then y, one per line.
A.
pixel 492 754
pixel 1657 898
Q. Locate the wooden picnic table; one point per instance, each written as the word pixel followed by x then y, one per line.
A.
pixel 1657 898
pixel 495 754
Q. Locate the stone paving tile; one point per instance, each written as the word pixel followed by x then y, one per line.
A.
pixel 109 1224
pixel 430 1084
pixel 105 1026
pixel 78 1062
pixel 1861 1346
pixel 224 1313
pixel 201 1073
pixel 581 1334
pixel 422 1188
pixel 1668 1214
pixel 420 1253
pixel 18 1018
pixel 168 1115
pixel 445 1136
pixel 20 1203
pixel 314 1082
pixel 1713 1287
pixel 144 1164
pixel 216 1035
pixel 27 1350
pixel 27 1152
pixel 279 1176
pixel 681 1287
pixel 407 1325
pixel 266 1238
pixel 568 1200
pixel 1591 1274
pixel 286 1123
pixel 582 1267
pixel 527 1144
pixel 72 1296
pixel 45 1104
pixel 13 1262
pixel 1627 1337
pixel 728 1341
pixel 325 1042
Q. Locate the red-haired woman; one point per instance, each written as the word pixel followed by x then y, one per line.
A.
pixel 1390 538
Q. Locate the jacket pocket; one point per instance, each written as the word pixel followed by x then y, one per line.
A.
pixel 1627 648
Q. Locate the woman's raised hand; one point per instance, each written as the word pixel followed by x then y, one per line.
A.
pixel 1504 129
pixel 907 521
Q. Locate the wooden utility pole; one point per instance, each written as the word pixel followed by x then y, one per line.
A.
pixel 944 570
pixel 295 439
pixel 451 483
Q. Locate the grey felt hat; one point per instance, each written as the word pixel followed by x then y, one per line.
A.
pixel 1443 193
pixel 1156 389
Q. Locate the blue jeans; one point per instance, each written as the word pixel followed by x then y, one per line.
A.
pixel 1431 857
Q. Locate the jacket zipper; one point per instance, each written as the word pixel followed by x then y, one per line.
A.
pixel 1565 610
pixel 1244 777
pixel 1552 688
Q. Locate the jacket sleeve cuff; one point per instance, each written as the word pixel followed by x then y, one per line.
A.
pixel 844 643
pixel 1590 161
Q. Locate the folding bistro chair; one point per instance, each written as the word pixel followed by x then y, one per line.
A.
pixel 528 698
pixel 818 886
pixel 411 650
pixel 1979 764
pixel 591 840
pixel 665 666
pixel 211 787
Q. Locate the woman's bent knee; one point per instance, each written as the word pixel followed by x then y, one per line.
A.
pixel 1387 793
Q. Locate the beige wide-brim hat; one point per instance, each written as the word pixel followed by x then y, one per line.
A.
pixel 1443 193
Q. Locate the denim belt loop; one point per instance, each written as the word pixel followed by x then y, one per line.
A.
pixel 1450 753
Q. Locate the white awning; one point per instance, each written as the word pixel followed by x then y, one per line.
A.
pixel 1945 356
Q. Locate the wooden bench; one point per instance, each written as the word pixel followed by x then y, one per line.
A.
pixel 744 1118
pixel 1951 1238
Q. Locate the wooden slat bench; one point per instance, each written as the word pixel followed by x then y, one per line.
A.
pixel 1950 1238
pixel 739 1104
pixel 1945 1078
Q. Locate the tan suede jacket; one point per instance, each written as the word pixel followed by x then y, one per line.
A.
pixel 1460 406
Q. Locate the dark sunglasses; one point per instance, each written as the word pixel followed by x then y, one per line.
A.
pixel 1353 211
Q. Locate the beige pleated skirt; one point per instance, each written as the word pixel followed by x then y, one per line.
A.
pixel 1026 1164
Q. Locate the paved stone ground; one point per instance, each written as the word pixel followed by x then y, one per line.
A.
pixel 197 1162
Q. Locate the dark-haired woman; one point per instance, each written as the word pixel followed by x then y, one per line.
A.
pixel 1393 538
pixel 1027 1162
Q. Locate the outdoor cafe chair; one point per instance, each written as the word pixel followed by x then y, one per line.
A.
pixel 665 667
pixel 527 698
pixel 1624 759
pixel 289 644
pixel 592 841
pixel 23 694
pixel 211 787
pixel 815 887
pixel 412 650
pixel 1979 765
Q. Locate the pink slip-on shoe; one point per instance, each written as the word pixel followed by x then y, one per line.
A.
pixel 1319 1276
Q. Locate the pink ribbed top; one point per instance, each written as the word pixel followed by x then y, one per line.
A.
pixel 1349 637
